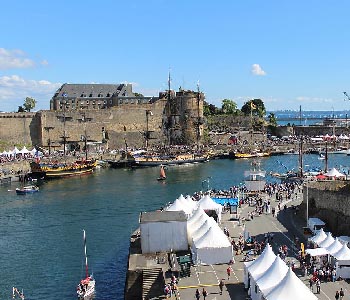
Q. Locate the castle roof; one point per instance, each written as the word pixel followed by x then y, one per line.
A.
pixel 94 90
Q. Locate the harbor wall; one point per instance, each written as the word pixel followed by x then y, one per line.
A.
pixel 329 201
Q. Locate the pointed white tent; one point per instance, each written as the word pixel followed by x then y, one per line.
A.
pixel 329 240
pixel 343 254
pixel 190 202
pixel 177 205
pixel 318 237
pixel 203 229
pixel 270 278
pixel 334 173
pixel 24 150
pixel 209 204
pixel 255 269
pixel 290 288
pixel 195 222
pixel 334 247
pixel 212 248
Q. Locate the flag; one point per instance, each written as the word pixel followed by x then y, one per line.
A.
pixel 252 105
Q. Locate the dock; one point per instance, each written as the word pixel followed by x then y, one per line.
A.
pixel 147 274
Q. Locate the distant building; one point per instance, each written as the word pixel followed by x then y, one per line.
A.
pixel 95 96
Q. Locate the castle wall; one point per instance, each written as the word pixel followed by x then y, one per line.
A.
pixel 330 201
pixel 19 128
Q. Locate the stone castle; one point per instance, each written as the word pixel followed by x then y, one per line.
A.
pixel 108 116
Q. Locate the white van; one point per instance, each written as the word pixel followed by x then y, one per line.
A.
pixel 315 224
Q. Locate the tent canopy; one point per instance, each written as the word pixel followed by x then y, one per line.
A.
pixel 329 240
pixel 334 247
pixel 334 173
pixel 318 237
pixel 343 253
pixel 317 251
pixel 290 288
pixel 272 276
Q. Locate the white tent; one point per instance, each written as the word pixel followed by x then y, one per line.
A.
pixel 270 278
pixel 334 247
pixel 203 229
pixel 343 137
pixel 343 254
pixel 24 150
pixel 290 288
pixel 329 240
pixel 334 173
pixel 343 262
pixel 191 203
pixel 15 151
pixel 209 204
pixel 212 248
pixel 179 205
pixel 195 222
pixel 255 269
pixel 163 231
pixel 319 237
pixel 317 252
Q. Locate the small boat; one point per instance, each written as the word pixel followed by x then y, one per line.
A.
pixel 322 156
pixel 162 175
pixel 86 287
pixel 16 294
pixel 29 189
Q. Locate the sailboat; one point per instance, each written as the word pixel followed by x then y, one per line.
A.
pixel 162 175
pixel 86 287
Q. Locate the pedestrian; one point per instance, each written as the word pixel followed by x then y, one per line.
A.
pixel 311 282
pixel 221 285
pixel 341 293
pixel 204 293
pixel 198 294
pixel 318 285
pixel 336 295
pixel 228 270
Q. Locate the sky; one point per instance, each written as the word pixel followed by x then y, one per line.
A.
pixel 287 53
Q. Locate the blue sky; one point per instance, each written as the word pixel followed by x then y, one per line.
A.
pixel 287 53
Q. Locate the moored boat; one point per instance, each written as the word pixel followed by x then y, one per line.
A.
pixel 157 160
pixel 235 155
pixel 59 170
pixel 30 189
pixel 86 287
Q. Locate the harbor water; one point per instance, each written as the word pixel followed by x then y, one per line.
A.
pixel 41 246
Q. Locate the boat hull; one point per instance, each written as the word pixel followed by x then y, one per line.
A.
pixel 152 162
pixel 62 170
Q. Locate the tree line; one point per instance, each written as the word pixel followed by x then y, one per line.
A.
pixel 254 107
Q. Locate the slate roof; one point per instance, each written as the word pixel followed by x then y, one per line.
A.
pixel 162 216
pixel 92 90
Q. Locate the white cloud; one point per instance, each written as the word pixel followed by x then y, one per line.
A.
pixel 318 100
pixel 14 89
pixel 257 70
pixel 14 59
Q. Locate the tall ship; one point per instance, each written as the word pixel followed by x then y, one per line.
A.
pixel 62 169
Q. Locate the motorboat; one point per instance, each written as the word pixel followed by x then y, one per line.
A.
pixel 29 189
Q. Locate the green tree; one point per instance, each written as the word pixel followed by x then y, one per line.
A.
pixel 228 107
pixel 20 109
pixel 138 95
pixel 272 119
pixel 29 104
pixel 209 109
pixel 256 106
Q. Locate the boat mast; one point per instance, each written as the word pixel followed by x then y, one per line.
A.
pixel 85 252
pixel 198 116
pixel 170 110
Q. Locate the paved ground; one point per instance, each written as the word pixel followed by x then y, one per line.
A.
pixel 284 227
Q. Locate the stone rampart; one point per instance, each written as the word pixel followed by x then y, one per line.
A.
pixel 330 201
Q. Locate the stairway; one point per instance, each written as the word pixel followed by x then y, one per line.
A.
pixel 152 283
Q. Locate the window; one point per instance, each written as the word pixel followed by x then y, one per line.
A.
pixel 90 95
pixel 94 102
pixel 108 95
pixel 87 102
pixel 110 101
pixel 120 101
pixel 104 102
